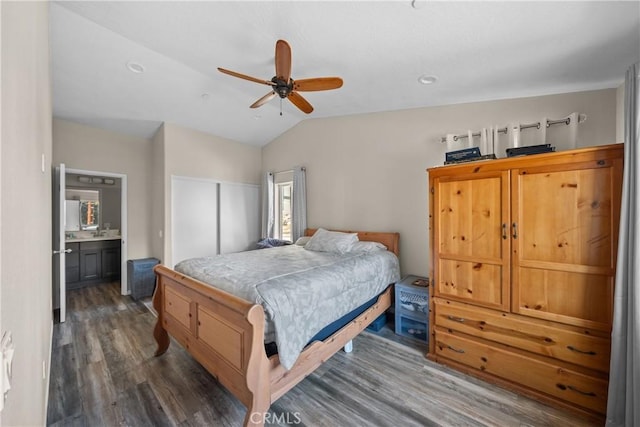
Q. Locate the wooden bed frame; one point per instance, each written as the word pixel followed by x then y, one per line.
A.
pixel 225 334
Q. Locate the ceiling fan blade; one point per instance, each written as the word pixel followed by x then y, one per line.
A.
pixel 317 83
pixel 283 61
pixel 244 76
pixel 300 102
pixel 268 97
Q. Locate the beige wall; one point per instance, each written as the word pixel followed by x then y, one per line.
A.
pixel 26 221
pixel 367 172
pixel 192 153
pixel 620 113
pixel 196 154
pixel 156 225
pixel 87 148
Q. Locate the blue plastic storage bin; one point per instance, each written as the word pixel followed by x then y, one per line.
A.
pixel 412 308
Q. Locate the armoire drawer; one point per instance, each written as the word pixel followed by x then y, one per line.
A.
pixel 588 348
pixel 528 370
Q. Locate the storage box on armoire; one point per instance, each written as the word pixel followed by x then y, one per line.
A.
pixel 140 277
pixel 412 307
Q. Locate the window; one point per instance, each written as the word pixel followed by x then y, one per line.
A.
pixel 283 210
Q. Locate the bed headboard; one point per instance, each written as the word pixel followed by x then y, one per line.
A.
pixel 390 240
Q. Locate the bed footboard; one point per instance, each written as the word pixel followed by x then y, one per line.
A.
pixel 222 332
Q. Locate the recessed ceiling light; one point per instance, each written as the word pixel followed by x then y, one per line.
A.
pixel 205 96
pixel 427 80
pixel 135 67
pixel 417 4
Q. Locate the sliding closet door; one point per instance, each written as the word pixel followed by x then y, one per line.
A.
pixel 194 218
pixel 239 217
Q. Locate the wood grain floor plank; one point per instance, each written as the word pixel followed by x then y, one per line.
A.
pixel 97 388
pixel 64 400
pixel 140 407
pixel 78 421
pixel 103 373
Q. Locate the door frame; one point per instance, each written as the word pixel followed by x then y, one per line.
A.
pixel 123 219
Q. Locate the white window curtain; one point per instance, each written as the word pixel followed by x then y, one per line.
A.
pixel 299 208
pixel 268 205
pixel 624 373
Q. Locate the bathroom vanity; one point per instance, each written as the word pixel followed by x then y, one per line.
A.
pixel 92 260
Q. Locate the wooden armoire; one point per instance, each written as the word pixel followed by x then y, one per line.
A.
pixel 523 256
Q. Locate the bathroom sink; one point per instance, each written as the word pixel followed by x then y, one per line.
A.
pixel 88 236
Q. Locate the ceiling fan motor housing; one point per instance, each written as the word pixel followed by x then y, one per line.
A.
pixel 282 88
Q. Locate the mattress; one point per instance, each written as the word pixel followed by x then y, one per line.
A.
pixel 301 291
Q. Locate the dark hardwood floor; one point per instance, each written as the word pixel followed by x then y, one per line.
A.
pixel 103 373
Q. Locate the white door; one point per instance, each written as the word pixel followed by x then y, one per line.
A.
pixel 239 217
pixel 194 218
pixel 59 250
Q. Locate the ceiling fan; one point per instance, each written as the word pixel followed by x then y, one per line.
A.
pixel 284 86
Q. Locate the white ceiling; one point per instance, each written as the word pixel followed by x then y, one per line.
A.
pixel 478 50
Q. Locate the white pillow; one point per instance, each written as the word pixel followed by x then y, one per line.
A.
pixel 331 241
pixel 367 247
pixel 303 240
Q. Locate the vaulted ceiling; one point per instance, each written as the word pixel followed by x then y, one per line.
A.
pixel 476 50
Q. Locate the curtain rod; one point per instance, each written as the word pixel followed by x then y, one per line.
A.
pixel 287 171
pixel 536 125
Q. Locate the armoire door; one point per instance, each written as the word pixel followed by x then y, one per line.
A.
pixel 564 244
pixel 471 244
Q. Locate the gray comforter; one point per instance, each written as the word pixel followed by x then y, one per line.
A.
pixel 301 291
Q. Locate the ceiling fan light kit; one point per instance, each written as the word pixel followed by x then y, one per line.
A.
pixel 284 86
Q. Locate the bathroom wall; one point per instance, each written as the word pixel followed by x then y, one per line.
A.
pixel 110 208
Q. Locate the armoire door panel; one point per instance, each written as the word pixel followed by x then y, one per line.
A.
pixel 567 297
pixel 470 217
pixel 567 215
pixel 474 282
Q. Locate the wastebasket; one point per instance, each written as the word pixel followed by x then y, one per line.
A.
pixel 140 277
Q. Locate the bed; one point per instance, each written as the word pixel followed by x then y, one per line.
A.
pixel 225 333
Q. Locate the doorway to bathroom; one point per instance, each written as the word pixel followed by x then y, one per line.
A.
pixel 90 231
